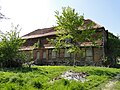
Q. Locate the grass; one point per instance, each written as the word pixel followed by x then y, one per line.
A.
pixel 39 77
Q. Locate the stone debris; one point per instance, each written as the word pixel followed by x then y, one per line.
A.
pixel 77 76
pixel 70 75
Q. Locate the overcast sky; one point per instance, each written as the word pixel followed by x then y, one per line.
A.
pixel 35 14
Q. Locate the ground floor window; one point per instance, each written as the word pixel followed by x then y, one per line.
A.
pixel 49 53
pixel 38 55
pixel 62 53
pixel 44 54
pixel 54 54
pixel 66 53
pixel 89 54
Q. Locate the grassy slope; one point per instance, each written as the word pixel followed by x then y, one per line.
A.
pixel 39 76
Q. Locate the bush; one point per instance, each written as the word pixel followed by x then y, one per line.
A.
pixel 9 49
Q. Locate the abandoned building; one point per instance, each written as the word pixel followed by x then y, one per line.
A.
pixel 45 55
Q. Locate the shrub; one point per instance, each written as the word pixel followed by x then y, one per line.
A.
pixel 9 49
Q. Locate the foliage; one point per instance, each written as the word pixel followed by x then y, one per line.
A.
pixel 37 44
pixel 113 48
pixel 72 31
pixel 10 56
pixel 39 77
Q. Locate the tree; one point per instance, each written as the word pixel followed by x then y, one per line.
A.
pixel 10 43
pixel 113 49
pixel 71 31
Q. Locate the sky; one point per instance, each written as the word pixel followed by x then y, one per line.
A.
pixel 38 14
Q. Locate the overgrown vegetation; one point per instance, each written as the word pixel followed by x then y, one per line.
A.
pixel 113 49
pixel 10 43
pixel 39 77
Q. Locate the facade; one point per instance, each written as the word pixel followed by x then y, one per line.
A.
pixel 45 55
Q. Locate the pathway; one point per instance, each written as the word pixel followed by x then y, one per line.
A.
pixel 110 85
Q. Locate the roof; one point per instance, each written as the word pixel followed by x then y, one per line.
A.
pixel 40 33
pixel 95 25
pixel 51 31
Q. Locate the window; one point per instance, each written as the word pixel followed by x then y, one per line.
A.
pixel 61 53
pixel 89 52
pixel 53 54
pixel 50 54
pixel 44 54
pixel 66 54
pixel 82 53
pixel 38 55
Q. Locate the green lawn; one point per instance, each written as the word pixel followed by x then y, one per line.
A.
pixel 39 77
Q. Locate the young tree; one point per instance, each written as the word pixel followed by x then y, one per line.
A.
pixel 71 31
pixel 9 48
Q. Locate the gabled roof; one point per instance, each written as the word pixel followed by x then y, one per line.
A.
pixel 51 31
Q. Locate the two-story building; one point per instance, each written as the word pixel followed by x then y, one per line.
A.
pixel 45 55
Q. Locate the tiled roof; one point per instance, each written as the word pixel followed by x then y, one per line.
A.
pixel 39 35
pixel 95 25
pixel 50 31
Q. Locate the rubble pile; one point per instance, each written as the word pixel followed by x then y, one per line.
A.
pixel 70 75
pixel 77 76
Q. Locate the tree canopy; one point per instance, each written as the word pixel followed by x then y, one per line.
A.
pixel 71 30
